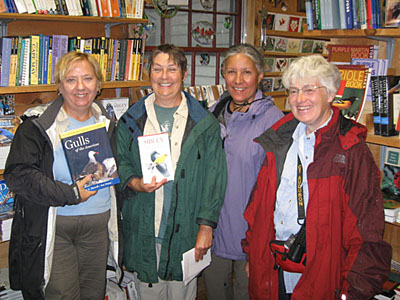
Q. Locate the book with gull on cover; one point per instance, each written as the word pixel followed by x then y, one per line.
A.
pixel 155 157
pixel 88 152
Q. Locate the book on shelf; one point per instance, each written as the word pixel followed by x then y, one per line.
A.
pixel 13 62
pixel 389 93
pixel 6 48
pixel 390 185
pixel 116 107
pixel 351 96
pixel 88 152
pixel 377 67
pixel 344 53
pixel 155 157
pixel 34 60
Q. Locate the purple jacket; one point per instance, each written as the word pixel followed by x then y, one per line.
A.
pixel 244 158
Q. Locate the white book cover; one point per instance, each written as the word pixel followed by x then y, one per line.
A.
pixel 116 106
pixel 155 157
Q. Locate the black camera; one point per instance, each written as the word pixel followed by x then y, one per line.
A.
pixel 296 245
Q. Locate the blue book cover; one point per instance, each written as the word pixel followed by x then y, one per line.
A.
pixel 88 152
pixel 6 198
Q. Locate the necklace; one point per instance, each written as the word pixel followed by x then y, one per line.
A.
pixel 239 107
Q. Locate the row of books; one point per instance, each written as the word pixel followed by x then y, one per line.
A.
pixel 346 14
pixel 31 60
pixel 101 8
pixel 289 45
pixel 385 104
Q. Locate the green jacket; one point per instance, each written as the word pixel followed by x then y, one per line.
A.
pixel 197 194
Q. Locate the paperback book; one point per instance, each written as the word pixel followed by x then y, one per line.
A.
pixel 115 107
pixel 352 92
pixel 6 199
pixel 88 152
pixel 155 157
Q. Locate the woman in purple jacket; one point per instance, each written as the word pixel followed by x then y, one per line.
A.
pixel 243 113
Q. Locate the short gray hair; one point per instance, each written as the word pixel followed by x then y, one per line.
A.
pixel 248 50
pixel 313 67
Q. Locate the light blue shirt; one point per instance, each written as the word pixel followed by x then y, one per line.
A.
pixel 286 212
pixel 99 203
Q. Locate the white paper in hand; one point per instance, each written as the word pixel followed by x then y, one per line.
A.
pixel 191 268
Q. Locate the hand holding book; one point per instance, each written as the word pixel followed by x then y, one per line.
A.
pixel 85 194
pixel 138 185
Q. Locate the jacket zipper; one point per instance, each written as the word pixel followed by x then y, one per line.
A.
pixel 173 228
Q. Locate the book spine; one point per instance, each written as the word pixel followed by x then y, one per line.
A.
pixel 34 60
pixel 375 104
pixel 356 23
pixel 19 53
pixel 122 8
pixel 5 61
pixel 50 62
pixel 113 61
pixel 56 54
pixel 349 13
pixel 27 63
pixel 40 54
pixel 122 59
pixel 385 107
pixel 114 6
pixel 128 66
pixel 45 59
pixel 139 9
pixel 309 15
pixel 13 62
pixel 368 9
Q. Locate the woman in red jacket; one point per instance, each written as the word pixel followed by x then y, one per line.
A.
pixel 318 175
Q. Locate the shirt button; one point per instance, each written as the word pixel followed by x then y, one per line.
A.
pixel 281 222
pixel 176 144
pixel 306 157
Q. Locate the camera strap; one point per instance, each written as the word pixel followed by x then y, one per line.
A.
pixel 300 198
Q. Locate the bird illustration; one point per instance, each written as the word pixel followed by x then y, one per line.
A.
pixel 158 161
pixel 93 167
pixel 109 168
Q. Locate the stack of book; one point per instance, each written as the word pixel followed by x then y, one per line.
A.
pixel 100 8
pixel 31 60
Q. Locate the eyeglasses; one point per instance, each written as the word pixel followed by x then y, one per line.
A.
pixel 308 90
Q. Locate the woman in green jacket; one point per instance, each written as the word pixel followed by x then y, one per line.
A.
pixel 162 220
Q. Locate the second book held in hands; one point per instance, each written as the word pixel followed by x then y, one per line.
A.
pixel 88 152
pixel 155 157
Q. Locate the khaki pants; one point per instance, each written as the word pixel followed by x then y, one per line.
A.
pixel 167 290
pixel 226 279
pixel 80 258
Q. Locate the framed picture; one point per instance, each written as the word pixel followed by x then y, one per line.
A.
pixel 301 6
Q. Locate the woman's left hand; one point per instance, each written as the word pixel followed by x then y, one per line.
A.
pixel 204 241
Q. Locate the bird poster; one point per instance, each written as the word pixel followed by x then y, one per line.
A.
pixel 88 152
pixel 155 157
